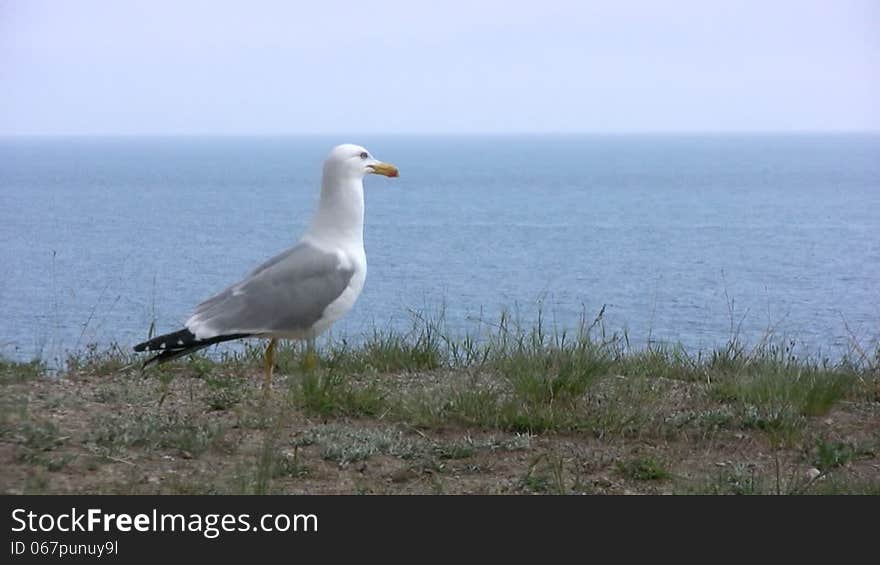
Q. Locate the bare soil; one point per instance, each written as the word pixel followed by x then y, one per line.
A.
pixel 123 432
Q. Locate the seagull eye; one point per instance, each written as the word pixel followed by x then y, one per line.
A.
pixel 364 155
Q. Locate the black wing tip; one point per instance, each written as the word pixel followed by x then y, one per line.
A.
pixel 170 341
pixel 177 344
pixel 166 356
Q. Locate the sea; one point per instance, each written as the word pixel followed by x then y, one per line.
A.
pixel 689 240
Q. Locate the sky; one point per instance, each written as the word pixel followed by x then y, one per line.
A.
pixel 161 67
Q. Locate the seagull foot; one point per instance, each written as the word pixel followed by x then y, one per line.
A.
pixel 269 368
pixel 310 361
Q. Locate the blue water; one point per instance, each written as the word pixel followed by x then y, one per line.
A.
pixel 680 237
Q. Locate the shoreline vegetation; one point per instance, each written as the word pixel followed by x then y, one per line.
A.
pixel 519 410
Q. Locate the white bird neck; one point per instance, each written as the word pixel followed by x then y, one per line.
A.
pixel 340 216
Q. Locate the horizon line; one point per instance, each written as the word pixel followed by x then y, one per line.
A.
pixel 443 133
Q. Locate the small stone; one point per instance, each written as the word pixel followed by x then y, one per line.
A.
pixel 812 473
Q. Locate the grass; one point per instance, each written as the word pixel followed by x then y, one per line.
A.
pixel 512 409
pixel 830 455
pixel 17 372
pixel 661 361
pixel 777 395
pixel 388 352
pixel 643 469
pixel 94 359
pixel 546 474
pixel 741 479
pixel 344 445
pixel 35 437
pixel 333 393
pixel 189 434
pixel 545 370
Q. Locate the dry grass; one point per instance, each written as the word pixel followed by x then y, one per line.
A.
pixel 512 412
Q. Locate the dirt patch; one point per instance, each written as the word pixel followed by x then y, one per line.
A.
pixel 207 429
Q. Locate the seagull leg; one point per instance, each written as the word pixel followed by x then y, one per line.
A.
pixel 310 360
pixel 270 366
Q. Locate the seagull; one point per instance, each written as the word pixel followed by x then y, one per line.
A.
pixel 301 292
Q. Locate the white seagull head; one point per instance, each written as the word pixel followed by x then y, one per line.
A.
pixel 353 161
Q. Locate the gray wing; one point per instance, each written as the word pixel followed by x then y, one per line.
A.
pixel 287 293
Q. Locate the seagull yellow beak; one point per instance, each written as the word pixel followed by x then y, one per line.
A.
pixel 385 169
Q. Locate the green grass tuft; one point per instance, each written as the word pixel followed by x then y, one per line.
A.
pixel 776 399
pixel 331 393
pixel 12 372
pixel 830 455
pixel 667 362
pixel 643 469
pixel 389 352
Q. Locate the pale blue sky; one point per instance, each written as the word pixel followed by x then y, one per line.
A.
pixel 376 66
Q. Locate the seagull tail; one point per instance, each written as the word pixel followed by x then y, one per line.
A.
pixel 176 344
